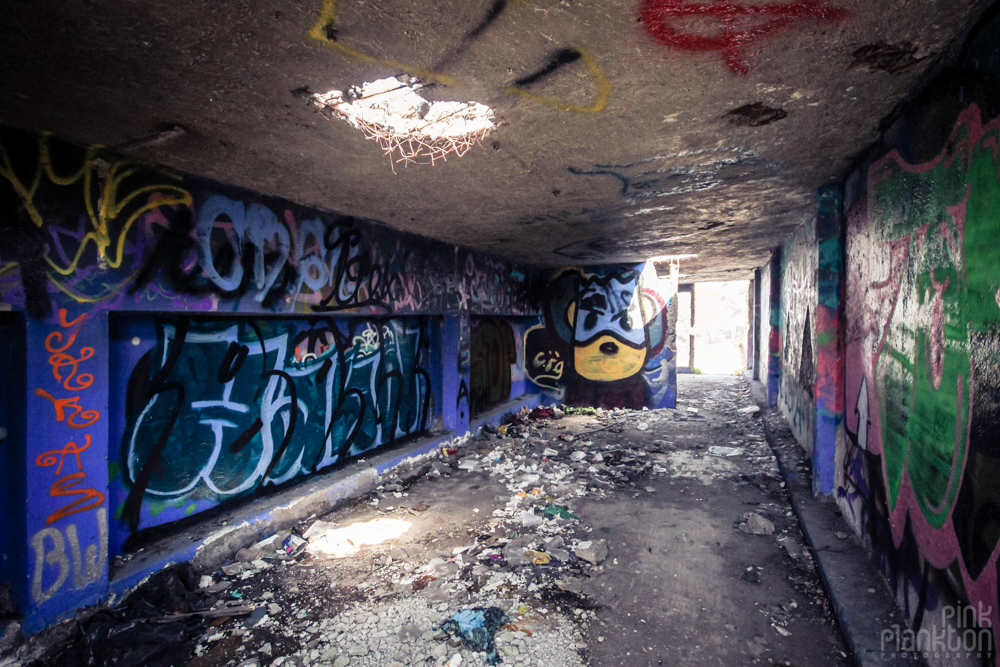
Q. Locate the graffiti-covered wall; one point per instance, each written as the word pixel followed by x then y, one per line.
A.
pixel 798 357
pixel 239 405
pixel 608 338
pixel 918 477
pixel 187 344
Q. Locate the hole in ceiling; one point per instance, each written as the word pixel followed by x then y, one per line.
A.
pixel 405 125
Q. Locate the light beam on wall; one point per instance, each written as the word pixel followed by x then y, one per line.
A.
pixel 405 124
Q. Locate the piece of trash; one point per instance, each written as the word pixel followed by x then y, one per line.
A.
pixel 470 464
pixel 529 519
pixel 841 536
pixel 716 450
pixel 642 427
pixel 566 437
pixel 693 411
pixel 537 557
pixel 752 410
pixel 477 628
pixel 455 661
pixel 650 489
pixel 559 511
pixel 541 413
pixel 755 524
pixel 782 631
pixel 793 548
pixel 578 455
pixel 557 413
pixel 292 544
pixel 549 452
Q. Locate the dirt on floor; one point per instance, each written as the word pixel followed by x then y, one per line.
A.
pixel 603 537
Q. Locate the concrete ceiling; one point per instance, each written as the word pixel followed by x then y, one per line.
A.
pixel 640 127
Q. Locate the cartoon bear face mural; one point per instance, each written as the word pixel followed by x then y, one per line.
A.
pixel 609 333
pixel 604 340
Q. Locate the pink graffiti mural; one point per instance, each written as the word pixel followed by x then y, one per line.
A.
pixel 922 338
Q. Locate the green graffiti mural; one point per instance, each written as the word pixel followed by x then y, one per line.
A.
pixel 940 221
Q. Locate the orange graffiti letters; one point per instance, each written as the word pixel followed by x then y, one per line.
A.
pixel 64 487
pixel 51 457
pixel 65 369
pixel 62 404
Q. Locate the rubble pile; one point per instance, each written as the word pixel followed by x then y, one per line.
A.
pixel 487 557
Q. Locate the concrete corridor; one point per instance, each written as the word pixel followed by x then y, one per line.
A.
pixel 624 537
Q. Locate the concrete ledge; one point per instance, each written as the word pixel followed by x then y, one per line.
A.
pixel 847 573
pixel 211 544
pixel 495 416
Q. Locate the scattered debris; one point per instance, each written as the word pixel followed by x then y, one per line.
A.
pixel 755 524
pixel 519 582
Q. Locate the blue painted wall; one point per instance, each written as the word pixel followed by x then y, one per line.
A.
pixel 188 344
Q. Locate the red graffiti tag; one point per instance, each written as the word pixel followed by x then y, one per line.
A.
pixel 65 367
pixel 739 24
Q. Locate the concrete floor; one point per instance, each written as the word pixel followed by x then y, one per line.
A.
pixel 681 583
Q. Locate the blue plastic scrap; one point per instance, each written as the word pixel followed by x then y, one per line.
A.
pixel 477 628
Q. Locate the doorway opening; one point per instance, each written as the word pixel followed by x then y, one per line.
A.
pixel 712 326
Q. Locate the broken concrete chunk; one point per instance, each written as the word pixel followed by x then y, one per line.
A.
pixel 593 552
pixel 724 451
pixel 755 524
pixel 752 410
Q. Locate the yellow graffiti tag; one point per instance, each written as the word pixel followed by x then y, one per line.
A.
pixel 109 206
pixel 328 14
pixel 327 18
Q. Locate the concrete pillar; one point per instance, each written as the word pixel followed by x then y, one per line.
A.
pixel 829 338
pixel 755 327
pixel 774 340
pixel 66 464
pixel 455 372
pixel 13 531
